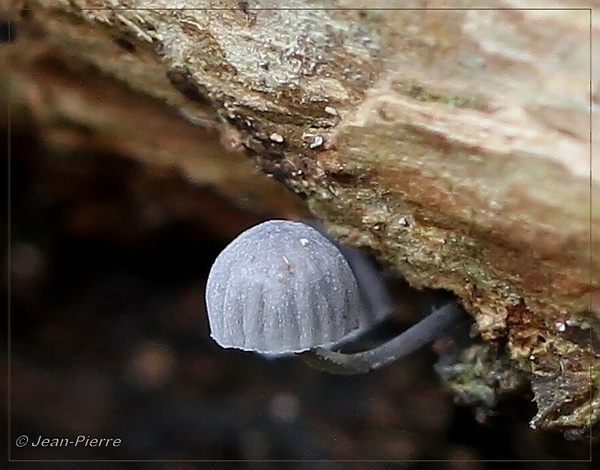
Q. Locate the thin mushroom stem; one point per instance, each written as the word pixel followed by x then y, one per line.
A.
pixel 407 342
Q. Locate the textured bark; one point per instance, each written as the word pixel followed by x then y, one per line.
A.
pixel 455 144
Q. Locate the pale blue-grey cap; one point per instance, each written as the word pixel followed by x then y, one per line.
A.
pixel 281 287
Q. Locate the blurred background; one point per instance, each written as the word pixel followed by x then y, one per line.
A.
pixel 109 338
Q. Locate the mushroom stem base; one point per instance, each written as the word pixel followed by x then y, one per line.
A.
pixel 417 336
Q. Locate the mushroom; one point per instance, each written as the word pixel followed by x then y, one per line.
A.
pixel 283 287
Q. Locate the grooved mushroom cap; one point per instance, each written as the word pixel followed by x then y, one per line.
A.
pixel 281 287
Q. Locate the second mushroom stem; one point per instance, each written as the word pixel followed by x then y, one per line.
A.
pixel 417 336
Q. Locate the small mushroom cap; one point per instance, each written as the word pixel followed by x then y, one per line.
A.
pixel 281 287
